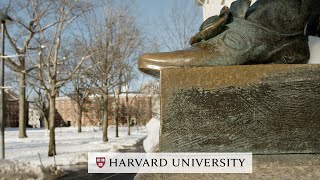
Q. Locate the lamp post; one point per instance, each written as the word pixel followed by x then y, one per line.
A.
pixel 3 18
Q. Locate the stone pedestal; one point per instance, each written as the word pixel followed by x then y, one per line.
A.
pixel 289 166
pixel 264 109
pixel 272 111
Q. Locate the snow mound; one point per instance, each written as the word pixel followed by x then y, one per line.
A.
pixel 11 169
pixel 151 142
pixel 19 170
pixel 80 159
pixel 115 148
pixel 314 46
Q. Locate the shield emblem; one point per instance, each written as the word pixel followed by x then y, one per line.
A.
pixel 100 161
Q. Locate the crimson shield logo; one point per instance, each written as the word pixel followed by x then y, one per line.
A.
pixel 100 161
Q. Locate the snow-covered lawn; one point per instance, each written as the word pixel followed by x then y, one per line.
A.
pixel 22 155
pixel 72 147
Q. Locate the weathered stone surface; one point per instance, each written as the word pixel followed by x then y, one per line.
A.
pixel 270 110
pixel 289 166
pixel 264 109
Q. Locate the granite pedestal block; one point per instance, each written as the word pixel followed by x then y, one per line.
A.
pixel 263 109
pixel 272 111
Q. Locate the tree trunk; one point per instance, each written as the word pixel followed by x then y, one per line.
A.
pixel 22 106
pixel 46 123
pixel 105 118
pixel 52 143
pixel 79 118
pixel 117 115
pixel 45 115
pixel 128 112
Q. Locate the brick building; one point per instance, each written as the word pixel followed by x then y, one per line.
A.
pixel 11 111
pixel 140 110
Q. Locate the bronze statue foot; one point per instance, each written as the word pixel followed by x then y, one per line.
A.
pixel 152 63
pixel 250 44
pixel 259 34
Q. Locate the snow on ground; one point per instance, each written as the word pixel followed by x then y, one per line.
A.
pixel 150 144
pixel 72 147
pixel 20 170
pixel 22 155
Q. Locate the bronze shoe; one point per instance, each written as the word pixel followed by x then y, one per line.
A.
pixel 244 41
pixel 234 46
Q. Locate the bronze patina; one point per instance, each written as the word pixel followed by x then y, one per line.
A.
pixel 269 31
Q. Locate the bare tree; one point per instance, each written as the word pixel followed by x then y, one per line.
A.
pixel 28 26
pixel 11 80
pixel 51 73
pixel 120 42
pixel 101 70
pixel 41 104
pixel 182 23
pixel 79 94
pixel 127 79
pixel 117 93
